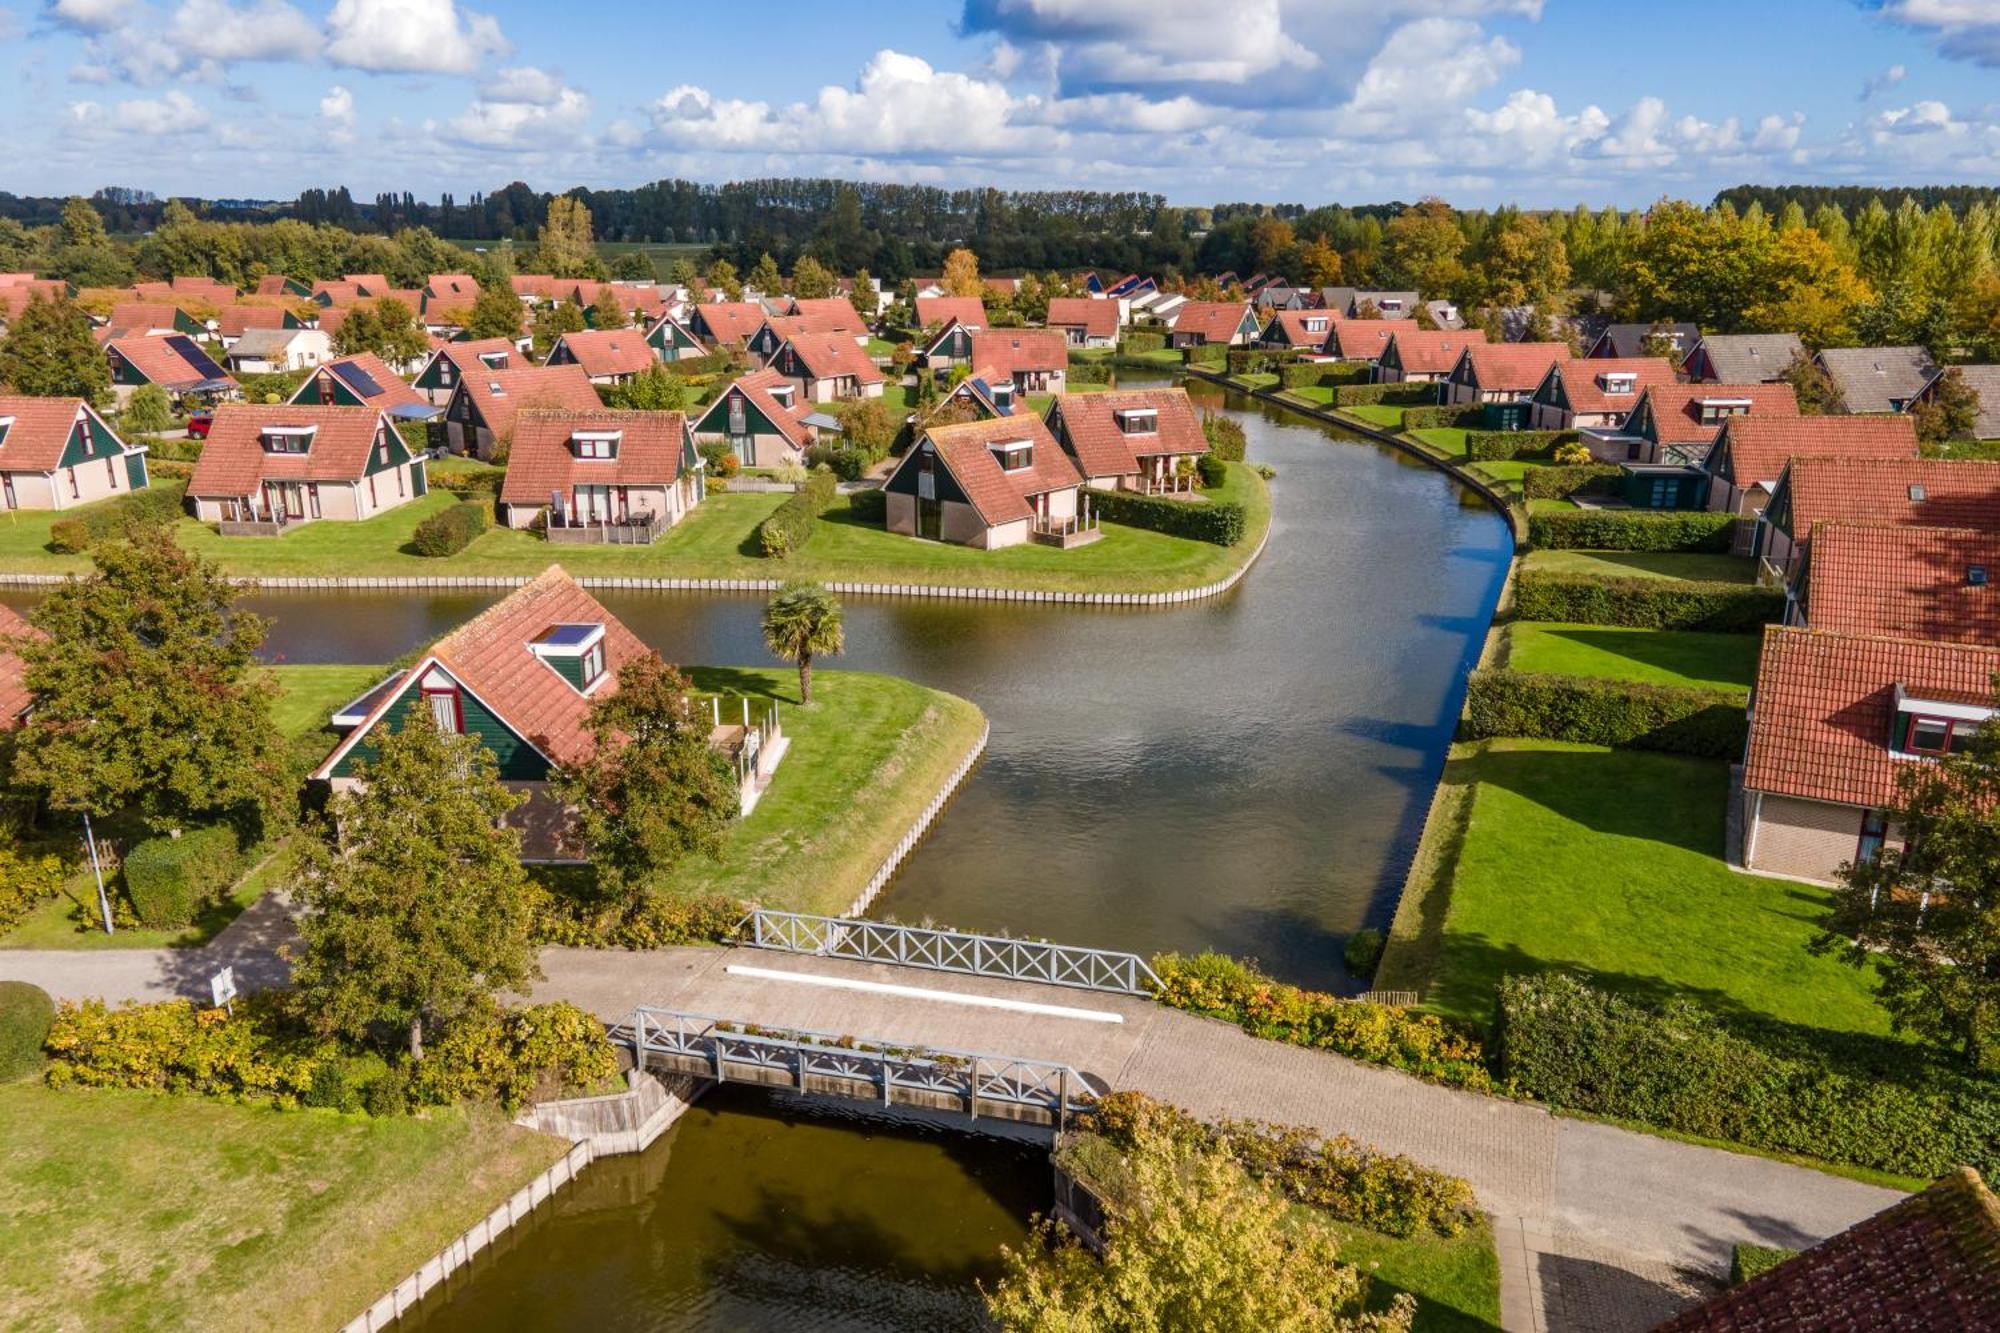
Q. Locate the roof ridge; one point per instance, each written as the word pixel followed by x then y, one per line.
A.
pixel 553 575
pixel 1852 636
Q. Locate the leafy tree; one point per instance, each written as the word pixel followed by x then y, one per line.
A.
pixel 1319 264
pixel 1271 243
pixel 868 424
pixel 811 280
pixel 1978 317
pixel 564 247
pixel 722 277
pixel 49 353
pixel 1926 914
pixel 961 274
pixel 144 692
pixel 386 327
pixel 1805 287
pixel 1816 391
pixel 864 293
pixel 1525 263
pixel 607 313
pixel 82 225
pixel 1950 411
pixel 652 792
pixel 1192 1243
pixel 633 266
pixel 553 321
pixel 765 278
pixel 803 621
pixel 1422 248
pixel 147 412
pixel 496 312
pixel 421 910
pixel 654 389
pixel 683 273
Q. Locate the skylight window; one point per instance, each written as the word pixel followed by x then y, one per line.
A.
pixel 1918 495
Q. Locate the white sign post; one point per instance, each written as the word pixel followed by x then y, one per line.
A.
pixel 223 987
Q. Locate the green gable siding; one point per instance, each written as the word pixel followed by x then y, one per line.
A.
pixel 518 760
pixel 102 444
pixel 716 419
pixel 124 372
pixel 135 471
pixel 398 454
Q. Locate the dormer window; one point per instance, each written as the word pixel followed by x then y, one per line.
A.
pixel 781 394
pixel 1138 420
pixel 1975 576
pixel 1391 303
pixel 573 651
pixel 1002 394
pixel 287 439
pixel 1617 382
pixel 595 444
pixel 493 360
pixel 1933 727
pixel 1013 455
pixel 1718 409
pixel 1316 324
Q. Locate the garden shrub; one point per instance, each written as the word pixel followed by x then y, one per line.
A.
pixel 1314 374
pixel 1630 530
pixel 415 435
pixel 1563 480
pixel 1421 1044
pixel 790 525
pixel 845 464
pixel 869 506
pixel 1642 603
pixel 720 458
pixel 514 1056
pixel 1225 437
pixel 1747 1261
pixel 158 504
pixel 1574 453
pixel 174 1047
pixel 1673 718
pixel 26 1013
pixel 450 531
pixel 1223 523
pixel 1363 951
pixel 1088 372
pixel 168 879
pixel 1839 1097
pixel 1434 415
pixel 1212 470
pixel 483 484
pixel 1137 341
pixel 1208 354
pixel 1384 1192
pixel 1258 360
pixel 1493 446
pixel 1404 395
pixel 576 919
pixel 26 881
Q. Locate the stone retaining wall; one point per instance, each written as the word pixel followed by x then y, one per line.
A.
pixel 921 826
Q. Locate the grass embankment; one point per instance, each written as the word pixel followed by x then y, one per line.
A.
pixel 718 540
pixel 125 1210
pixel 1643 565
pixel 1612 652
pixel 1456 1279
pixel 307 696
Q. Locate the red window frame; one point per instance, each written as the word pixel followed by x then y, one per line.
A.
pixel 457 707
pixel 1953 726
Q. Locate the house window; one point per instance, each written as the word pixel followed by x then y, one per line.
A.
pixel 493 360
pixel 1014 455
pixel 83 437
pixel 1003 395
pixel 595 444
pixel 445 711
pixel 382 453
pixel 1662 496
pixel 593 663
pixel 1937 735
pixel 287 439
pixel 111 472
pixel 1135 421
pixel 1874 832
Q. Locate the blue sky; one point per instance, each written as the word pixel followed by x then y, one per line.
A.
pixel 1542 102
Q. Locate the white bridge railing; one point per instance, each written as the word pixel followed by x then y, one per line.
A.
pixel 951 951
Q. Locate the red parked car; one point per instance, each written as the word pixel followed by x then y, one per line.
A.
pixel 199 423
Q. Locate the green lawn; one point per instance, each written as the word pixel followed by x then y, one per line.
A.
pixel 1377 414
pixel 1456 1281
pixel 1319 395
pixel 718 540
pixel 127 1210
pixel 1609 862
pixel 1659 657
pixel 1643 564
pixel 864 761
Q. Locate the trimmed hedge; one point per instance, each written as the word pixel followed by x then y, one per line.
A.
pixel 1630 530
pixel 470 485
pixel 1561 481
pixel 1225 437
pixel 1495 446
pixel 1136 342
pixel 790 525
pixel 869 506
pixel 168 879
pixel 26 1013
pixel 1676 719
pixel 1434 415
pixel 1404 395
pixel 1640 603
pixel 1748 1261
pixel 1207 354
pixel 1839 1097
pixel 1258 360
pixel 155 506
pixel 1310 374
pixel 450 531
pixel 1223 523
pixel 1212 470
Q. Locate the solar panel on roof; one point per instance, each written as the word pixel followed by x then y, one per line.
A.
pixel 197 359
pixel 357 379
pixel 566 636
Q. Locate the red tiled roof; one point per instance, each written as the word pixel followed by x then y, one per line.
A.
pixel 1215 321
pixel 144 316
pixel 1677 408
pixel 834 313
pixel 731 321
pixel 1002 286
pixel 1090 424
pixel 1513 367
pixel 232 320
pixel 1821 716
pixel 634 296
pixel 39 433
pixel 234 461
pixel 1097 318
pixel 1753 450
pixel 1583 381
pixel 1957 494
pixel 500 394
pixel 372 284
pixel 997 495
pixel 1866 578
pixel 271 284
pixel 541 461
pixel 1930 1262
pixel 608 351
pixel 395 392
pixel 791 326
pixel 1367 339
pixel 1017 351
pixel 756 387
pixel 465 355
pixel 156 359
pixel 453 289
pixel 831 355
pixel 544 287
pixel 1429 351
pixel 933 311
pixel 14 696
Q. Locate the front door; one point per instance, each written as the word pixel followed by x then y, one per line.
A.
pixel 930 518
pixel 294 501
pixel 594 504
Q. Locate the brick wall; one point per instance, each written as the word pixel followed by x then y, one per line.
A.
pixel 1801 839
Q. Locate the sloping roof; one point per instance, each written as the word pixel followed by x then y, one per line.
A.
pixel 233 321
pixel 1428 351
pixel 14 696
pixel 14 297
pixel 144 316
pixel 1748 358
pixel 1878 490
pixel 264 341
pixel 1583 381
pixel 967 310
pixel 1754 449
pixel 731 321
pixel 1677 408
pixel 1090 424
pixel 233 459
pixel 1930 1262
pixel 608 351
pixel 1367 339
pixel 1098 318
pixel 1018 351
pixel 1984 381
pixel 1629 340
pixel 1215 321
pixel 489 655
pixel 1513 367
pixel 756 387
pixel 835 313
pixel 1878 379
pixel 272 284
pixel 374 284
pixel 465 355
pixel 453 289
pixel 164 361
pixel 1821 717
pixel 649 452
pixel 357 372
pixel 34 440
pixel 500 394
pixel 831 355
pixel 545 287
pixel 1869 578
pixel 340 293
pixel 999 496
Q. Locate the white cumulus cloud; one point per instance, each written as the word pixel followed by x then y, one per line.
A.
pixel 412 36
pixel 262 30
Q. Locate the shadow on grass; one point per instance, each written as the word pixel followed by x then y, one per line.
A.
pixel 1597 790
pixel 742 680
pixel 1698 656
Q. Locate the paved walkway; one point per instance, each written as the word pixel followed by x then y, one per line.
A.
pixel 1599 1229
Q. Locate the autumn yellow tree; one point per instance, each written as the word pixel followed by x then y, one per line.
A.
pixel 961 274
pixel 1808 289
pixel 1319 264
pixel 564 247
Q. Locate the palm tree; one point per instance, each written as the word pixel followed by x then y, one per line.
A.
pixel 803 622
